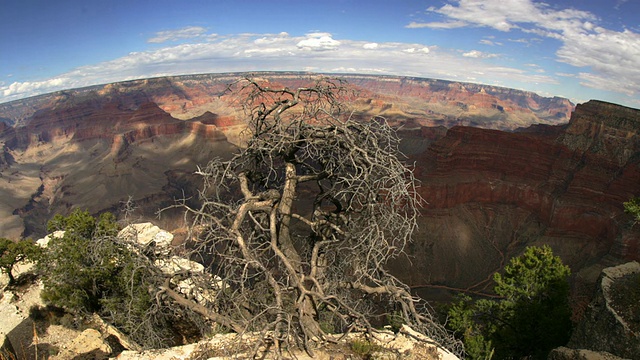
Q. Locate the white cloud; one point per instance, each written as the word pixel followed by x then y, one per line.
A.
pixel 281 52
pixel 423 50
pixel 189 32
pixel 489 42
pixel 17 88
pixel 610 58
pixel 318 42
pixel 565 74
pixel 370 46
pixel 478 54
pixel 272 39
pixel 505 15
pixel 437 25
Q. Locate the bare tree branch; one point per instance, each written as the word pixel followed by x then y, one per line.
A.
pixel 301 222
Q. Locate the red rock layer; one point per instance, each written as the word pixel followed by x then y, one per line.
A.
pixel 86 121
pixel 399 97
pixel 563 187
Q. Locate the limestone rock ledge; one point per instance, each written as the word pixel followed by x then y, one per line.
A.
pixel 406 344
pixel 563 353
pixel 603 329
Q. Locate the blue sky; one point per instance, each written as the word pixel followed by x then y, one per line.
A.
pixel 577 49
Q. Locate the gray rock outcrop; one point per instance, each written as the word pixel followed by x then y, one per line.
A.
pixel 603 329
pixel 563 353
pixel 11 318
pixel 147 234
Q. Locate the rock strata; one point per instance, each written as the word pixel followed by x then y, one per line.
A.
pixel 488 193
pixel 491 193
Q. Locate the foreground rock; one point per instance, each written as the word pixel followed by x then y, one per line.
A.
pixel 563 353
pixel 23 336
pixel 11 318
pixel 604 329
pixel 88 345
pixel 407 344
pixel 35 335
pixel 147 234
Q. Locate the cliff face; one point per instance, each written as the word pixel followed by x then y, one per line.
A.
pixel 607 130
pixel 451 103
pixel 95 153
pixel 426 102
pixel 115 135
pixel 491 193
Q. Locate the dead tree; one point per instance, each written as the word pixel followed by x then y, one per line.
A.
pixel 300 223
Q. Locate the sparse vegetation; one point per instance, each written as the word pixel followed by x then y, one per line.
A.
pixel 633 207
pixel 13 252
pixel 364 348
pixel 531 318
pixel 89 270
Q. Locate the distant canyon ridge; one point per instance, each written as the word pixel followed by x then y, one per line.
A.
pixel 500 168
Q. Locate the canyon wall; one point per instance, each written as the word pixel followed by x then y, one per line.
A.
pixel 428 102
pixel 491 193
pixel 521 175
pixel 96 146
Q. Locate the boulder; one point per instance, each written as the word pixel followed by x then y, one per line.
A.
pixel 111 331
pixel 563 353
pixel 603 329
pixel 201 295
pixel 11 318
pixel 147 234
pixel 176 264
pixel 44 242
pixel 186 285
pixel 88 345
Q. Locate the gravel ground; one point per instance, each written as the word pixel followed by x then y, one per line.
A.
pixel 30 339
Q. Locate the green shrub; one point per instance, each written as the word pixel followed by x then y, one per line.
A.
pixel 532 316
pixel 633 207
pixel 395 320
pixel 364 348
pixel 13 252
pixel 89 270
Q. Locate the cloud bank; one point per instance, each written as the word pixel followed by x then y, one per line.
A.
pixel 189 32
pixel 317 52
pixel 606 61
pixel 610 59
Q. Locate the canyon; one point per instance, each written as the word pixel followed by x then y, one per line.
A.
pixel 499 169
pixel 491 193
